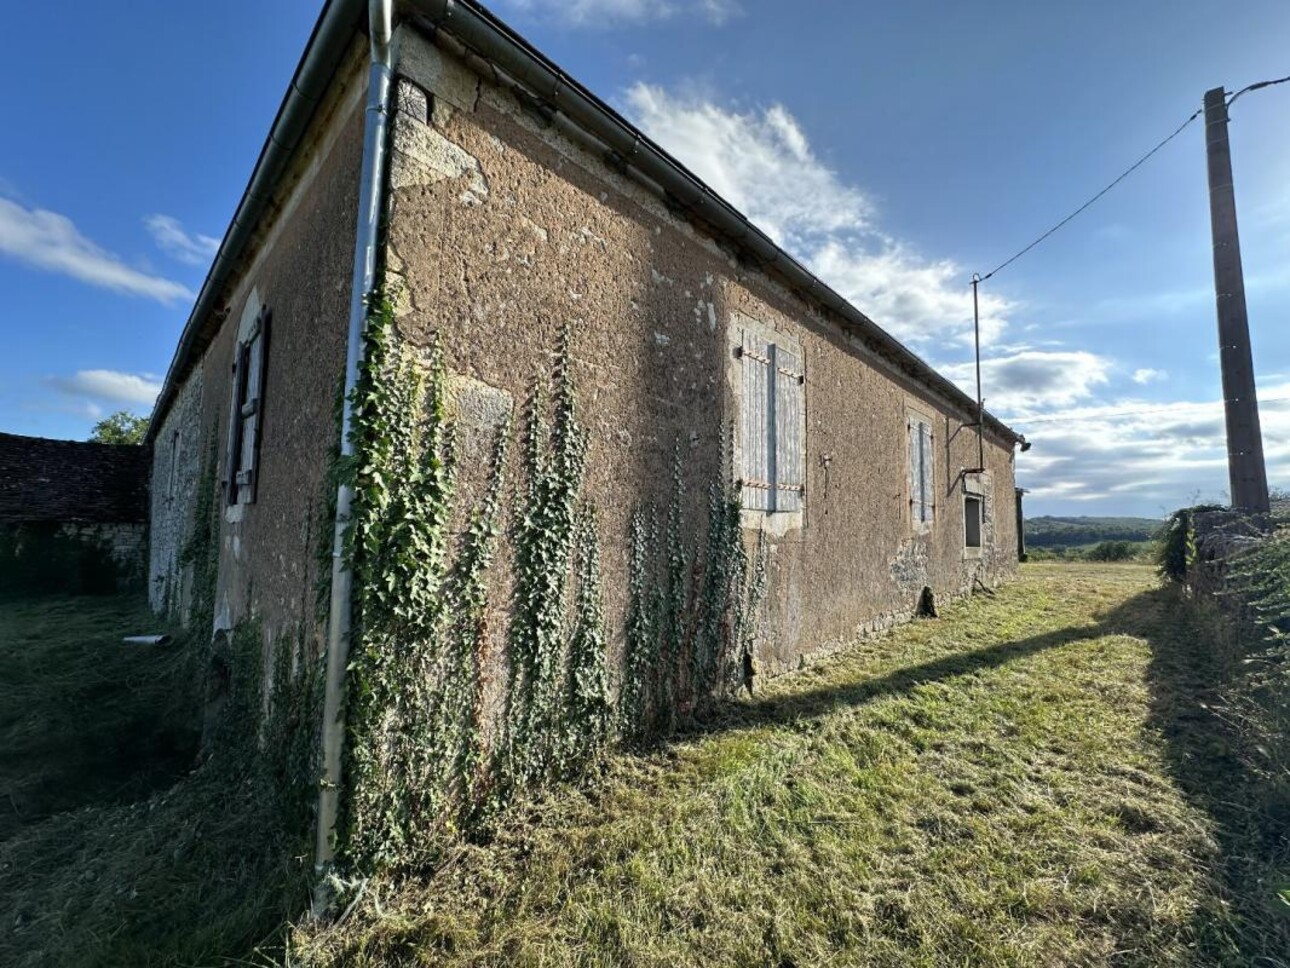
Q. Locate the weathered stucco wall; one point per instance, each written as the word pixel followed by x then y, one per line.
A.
pixel 178 452
pixel 299 268
pixel 77 558
pixel 502 230
pixel 122 543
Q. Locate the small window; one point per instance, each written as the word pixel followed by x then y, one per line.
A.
pixel 246 412
pixel 922 496
pixel 773 426
pixel 971 521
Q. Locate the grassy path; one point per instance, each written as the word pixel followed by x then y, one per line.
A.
pixel 1035 779
pixel 997 787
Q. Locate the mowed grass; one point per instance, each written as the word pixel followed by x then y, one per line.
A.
pixel 116 847
pixel 84 718
pixel 1032 779
pixel 1006 785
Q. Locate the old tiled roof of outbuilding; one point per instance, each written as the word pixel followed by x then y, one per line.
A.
pixel 72 481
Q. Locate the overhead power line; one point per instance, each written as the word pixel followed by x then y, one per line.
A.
pixel 1126 173
pixel 1123 175
pixel 1254 87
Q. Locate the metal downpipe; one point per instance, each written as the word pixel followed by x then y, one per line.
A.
pixel 370 201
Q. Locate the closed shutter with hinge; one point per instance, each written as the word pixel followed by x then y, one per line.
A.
pixel 929 496
pixel 773 447
pixel 921 495
pixel 249 363
pixel 758 442
pixel 787 422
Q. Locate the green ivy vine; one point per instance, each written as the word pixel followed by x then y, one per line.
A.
pixel 398 749
pixel 200 550
pixel 693 618
pixel 418 768
pixel 559 687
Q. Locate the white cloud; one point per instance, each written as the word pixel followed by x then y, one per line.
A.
pixel 759 162
pixel 924 303
pixel 1143 455
pixel 1147 375
pixel 762 163
pixel 110 386
pixel 1132 455
pixel 51 242
pixel 611 13
pixel 1031 380
pixel 169 234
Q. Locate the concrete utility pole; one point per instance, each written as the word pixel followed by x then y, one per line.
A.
pixel 1245 466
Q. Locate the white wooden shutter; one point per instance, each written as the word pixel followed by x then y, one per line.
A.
pixel 915 440
pixel 757 442
pixel 787 426
pixel 927 463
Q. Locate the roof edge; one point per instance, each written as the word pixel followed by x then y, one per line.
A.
pixel 476 28
pixel 336 26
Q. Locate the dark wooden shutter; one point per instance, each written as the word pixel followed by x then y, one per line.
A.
pixel 252 408
pixel 246 412
pixel 233 448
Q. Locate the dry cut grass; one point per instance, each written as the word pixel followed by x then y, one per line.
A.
pixel 1034 779
pixel 1012 784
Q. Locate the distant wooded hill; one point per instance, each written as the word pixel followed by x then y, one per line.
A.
pixel 1052 532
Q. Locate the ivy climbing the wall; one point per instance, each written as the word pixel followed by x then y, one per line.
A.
pixel 675 590
pixel 559 702
pixel 418 767
pixel 398 752
pixel 693 618
pixel 470 633
pixel 589 715
pixel 200 551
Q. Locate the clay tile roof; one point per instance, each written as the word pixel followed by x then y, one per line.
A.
pixel 68 480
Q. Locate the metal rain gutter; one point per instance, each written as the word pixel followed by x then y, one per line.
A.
pixel 330 39
pixel 370 203
pixel 478 30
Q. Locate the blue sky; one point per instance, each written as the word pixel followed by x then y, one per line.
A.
pixel 895 148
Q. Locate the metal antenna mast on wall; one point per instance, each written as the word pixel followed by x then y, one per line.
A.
pixel 1245 467
pixel 980 402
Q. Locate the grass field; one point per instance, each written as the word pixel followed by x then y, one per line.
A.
pixel 84 719
pixel 1032 779
pixel 116 847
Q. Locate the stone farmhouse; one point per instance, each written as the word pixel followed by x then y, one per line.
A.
pixel 580 418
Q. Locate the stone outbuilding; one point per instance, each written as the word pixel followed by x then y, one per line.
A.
pixel 73 515
pixel 445 200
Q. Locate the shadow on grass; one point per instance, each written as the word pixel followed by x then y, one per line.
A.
pixel 1187 671
pixel 815 703
pixel 116 848
pixel 1244 922
pixel 199 874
